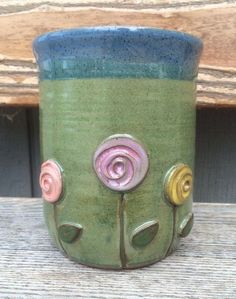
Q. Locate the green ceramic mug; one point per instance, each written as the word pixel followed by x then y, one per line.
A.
pixel 117 116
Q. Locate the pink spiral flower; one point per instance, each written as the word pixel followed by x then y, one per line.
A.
pixel 50 181
pixel 120 163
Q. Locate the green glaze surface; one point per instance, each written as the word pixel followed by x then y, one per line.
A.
pixel 76 116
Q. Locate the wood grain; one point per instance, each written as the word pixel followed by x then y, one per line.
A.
pixel 213 21
pixel 202 267
pixel 9 6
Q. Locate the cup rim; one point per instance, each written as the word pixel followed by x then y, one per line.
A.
pixel 99 30
pixel 117 51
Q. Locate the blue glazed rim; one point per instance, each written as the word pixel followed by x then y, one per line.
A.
pixel 117 52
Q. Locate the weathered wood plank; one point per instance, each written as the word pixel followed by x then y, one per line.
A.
pixel 203 266
pixel 12 6
pixel 210 25
pixel 213 21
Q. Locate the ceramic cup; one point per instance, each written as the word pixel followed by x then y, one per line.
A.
pixel 117 118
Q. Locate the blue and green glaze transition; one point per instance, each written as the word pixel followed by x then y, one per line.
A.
pixel 128 91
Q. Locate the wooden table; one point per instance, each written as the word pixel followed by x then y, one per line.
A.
pixel 30 267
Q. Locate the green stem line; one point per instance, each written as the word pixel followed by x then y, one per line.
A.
pixel 56 226
pixel 174 232
pixel 123 257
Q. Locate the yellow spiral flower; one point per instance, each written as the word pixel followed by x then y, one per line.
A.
pixel 179 184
